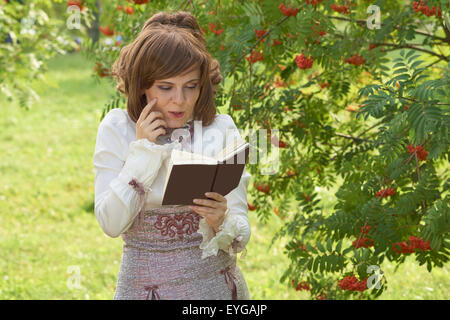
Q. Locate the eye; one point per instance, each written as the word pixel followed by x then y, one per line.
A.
pixel 168 88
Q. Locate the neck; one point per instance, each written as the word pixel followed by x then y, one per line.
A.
pixel 187 125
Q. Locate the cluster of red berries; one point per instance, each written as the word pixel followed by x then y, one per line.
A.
pixel 324 84
pixel 289 12
pixel 254 57
pixel 79 4
pixel 275 209
pixel 292 36
pixel 265 188
pixel 322 296
pixel 127 10
pixel 303 285
pixel 290 173
pixel 276 42
pixel 100 70
pixel 356 59
pixel 426 10
pixel 300 246
pixel 139 1
pixel 383 193
pixel 350 283
pixel 340 8
pixel 278 143
pixel 319 32
pixel 313 2
pixel 107 31
pixel 421 153
pixel 365 230
pixel 260 33
pixel 363 242
pixel 303 62
pixel 414 243
pixel 212 27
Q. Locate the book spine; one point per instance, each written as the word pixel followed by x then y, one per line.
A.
pixel 214 180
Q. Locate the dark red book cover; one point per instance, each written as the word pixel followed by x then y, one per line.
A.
pixel 187 182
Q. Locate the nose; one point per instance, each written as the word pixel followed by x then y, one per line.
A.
pixel 178 97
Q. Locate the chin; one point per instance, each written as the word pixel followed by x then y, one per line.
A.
pixel 175 123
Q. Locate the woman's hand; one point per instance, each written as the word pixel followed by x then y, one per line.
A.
pixel 149 125
pixel 214 210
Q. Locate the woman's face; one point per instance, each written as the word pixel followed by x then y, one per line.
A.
pixel 176 94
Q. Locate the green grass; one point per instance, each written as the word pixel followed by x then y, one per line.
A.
pixel 47 222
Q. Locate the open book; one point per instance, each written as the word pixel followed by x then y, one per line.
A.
pixel 190 175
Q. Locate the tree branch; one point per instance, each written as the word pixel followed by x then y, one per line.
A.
pixel 410 99
pixel 361 134
pixel 364 22
pixel 354 138
pixel 411 46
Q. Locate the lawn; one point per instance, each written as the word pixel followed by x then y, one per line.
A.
pixel 48 231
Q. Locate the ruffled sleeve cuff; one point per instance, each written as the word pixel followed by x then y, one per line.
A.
pixel 144 160
pixel 232 237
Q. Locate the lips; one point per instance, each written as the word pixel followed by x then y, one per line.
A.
pixel 176 114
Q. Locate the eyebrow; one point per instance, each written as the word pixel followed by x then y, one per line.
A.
pixel 173 83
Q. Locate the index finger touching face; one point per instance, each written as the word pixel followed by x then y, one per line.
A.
pixel 147 109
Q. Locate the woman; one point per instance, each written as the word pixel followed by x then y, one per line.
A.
pixel 169 252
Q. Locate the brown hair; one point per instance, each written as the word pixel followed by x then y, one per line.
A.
pixel 168 45
pixel 187 21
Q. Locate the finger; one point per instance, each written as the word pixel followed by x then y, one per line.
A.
pixel 216 196
pixel 154 125
pixel 147 109
pixel 207 210
pixel 158 123
pixel 207 203
pixel 196 210
pixel 152 117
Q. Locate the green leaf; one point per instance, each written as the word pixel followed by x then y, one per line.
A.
pixel 410 52
pixel 416 63
pixel 413 58
pixel 399 64
pixel 401 70
pixel 316 264
pixel 339 246
pixel 310 262
pixel 320 247
pixel 329 245
pixel 347 250
pixel 429 267
pixel 310 248
pixel 323 264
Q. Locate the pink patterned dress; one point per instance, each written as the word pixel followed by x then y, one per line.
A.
pixel 162 260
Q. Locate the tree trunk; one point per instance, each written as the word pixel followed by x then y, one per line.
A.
pixel 94 31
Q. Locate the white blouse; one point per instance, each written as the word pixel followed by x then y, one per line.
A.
pixel 118 158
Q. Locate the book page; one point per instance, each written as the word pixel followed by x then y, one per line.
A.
pixel 230 149
pixel 183 157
